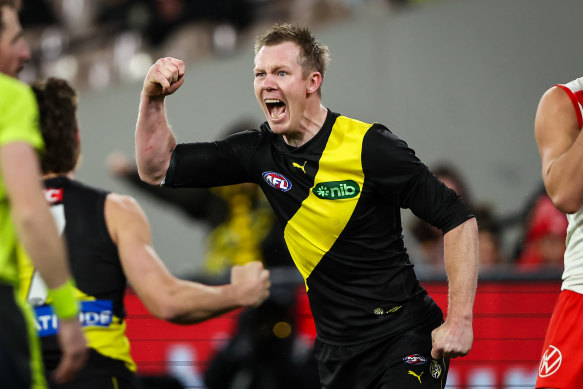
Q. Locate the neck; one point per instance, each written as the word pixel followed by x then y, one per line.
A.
pixel 70 175
pixel 310 125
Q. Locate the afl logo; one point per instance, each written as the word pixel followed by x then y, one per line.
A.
pixel 278 181
pixel 415 359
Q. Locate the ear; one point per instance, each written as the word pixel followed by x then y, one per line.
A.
pixel 314 82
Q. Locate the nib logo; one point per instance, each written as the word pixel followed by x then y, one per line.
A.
pixel 550 362
pixel 336 190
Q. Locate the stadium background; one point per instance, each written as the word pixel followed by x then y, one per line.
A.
pixel 459 80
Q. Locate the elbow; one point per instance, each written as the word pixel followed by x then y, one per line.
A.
pixel 566 203
pixel 170 315
pixel 171 312
pixel 149 177
pixel 166 311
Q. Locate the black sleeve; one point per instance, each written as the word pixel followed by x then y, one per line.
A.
pixel 403 179
pixel 224 162
pixel 198 203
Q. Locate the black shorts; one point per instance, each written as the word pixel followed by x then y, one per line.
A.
pixel 20 364
pixel 401 361
pixel 99 372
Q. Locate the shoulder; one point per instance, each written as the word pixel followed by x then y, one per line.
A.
pixel 12 85
pixel 556 96
pixel 381 138
pixel 124 217
pixel 247 136
pixel 121 204
pixel 557 109
pixel 16 95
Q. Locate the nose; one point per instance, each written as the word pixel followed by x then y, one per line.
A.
pixel 25 54
pixel 269 83
pixel 22 53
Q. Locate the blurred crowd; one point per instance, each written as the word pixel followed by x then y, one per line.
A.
pixel 95 44
pixel 530 241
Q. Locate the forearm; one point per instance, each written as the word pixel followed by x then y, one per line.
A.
pixel 154 140
pixel 191 302
pixel 461 265
pixel 30 213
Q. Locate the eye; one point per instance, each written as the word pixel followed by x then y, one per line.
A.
pixel 259 74
pixel 281 73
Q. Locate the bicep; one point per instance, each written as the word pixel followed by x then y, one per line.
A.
pixel 130 231
pixel 555 127
pixel 434 202
pixel 219 163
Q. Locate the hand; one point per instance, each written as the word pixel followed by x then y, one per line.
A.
pixel 118 164
pixel 74 348
pixel 452 339
pixel 252 283
pixel 165 76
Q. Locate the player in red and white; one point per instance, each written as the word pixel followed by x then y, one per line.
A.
pixel 558 124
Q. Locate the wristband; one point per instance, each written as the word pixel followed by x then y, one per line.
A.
pixel 64 301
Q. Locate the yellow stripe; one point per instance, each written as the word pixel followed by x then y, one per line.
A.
pixel 25 271
pixel 36 366
pixel 111 342
pixel 115 384
pixel 312 231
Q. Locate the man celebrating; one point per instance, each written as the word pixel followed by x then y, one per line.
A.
pixel 25 219
pixel 336 185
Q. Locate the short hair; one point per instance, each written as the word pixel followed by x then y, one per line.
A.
pixel 313 54
pixel 14 4
pixel 57 103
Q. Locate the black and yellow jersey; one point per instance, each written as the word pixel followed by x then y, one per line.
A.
pixel 338 198
pixel 78 211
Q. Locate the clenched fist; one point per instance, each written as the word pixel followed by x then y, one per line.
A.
pixel 252 283
pixel 165 76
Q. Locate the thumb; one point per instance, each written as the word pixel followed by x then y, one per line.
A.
pixel 436 353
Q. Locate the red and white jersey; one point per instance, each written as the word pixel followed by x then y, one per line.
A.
pixel 573 274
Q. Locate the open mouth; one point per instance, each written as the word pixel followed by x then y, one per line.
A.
pixel 276 108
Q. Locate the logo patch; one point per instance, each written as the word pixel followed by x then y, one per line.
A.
pixel 54 195
pixel 415 375
pixel 415 359
pixel 94 313
pixel 277 181
pixel 435 369
pixel 301 167
pixel 336 190
pixel 550 362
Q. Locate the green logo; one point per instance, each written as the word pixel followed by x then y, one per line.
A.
pixel 336 190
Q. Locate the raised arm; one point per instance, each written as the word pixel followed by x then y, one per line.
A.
pixel 454 338
pixel 154 138
pixel 38 234
pixel 166 296
pixel 560 146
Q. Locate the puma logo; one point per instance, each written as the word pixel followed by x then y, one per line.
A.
pixel 415 375
pixel 302 167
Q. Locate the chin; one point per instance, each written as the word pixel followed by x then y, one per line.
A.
pixel 278 129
